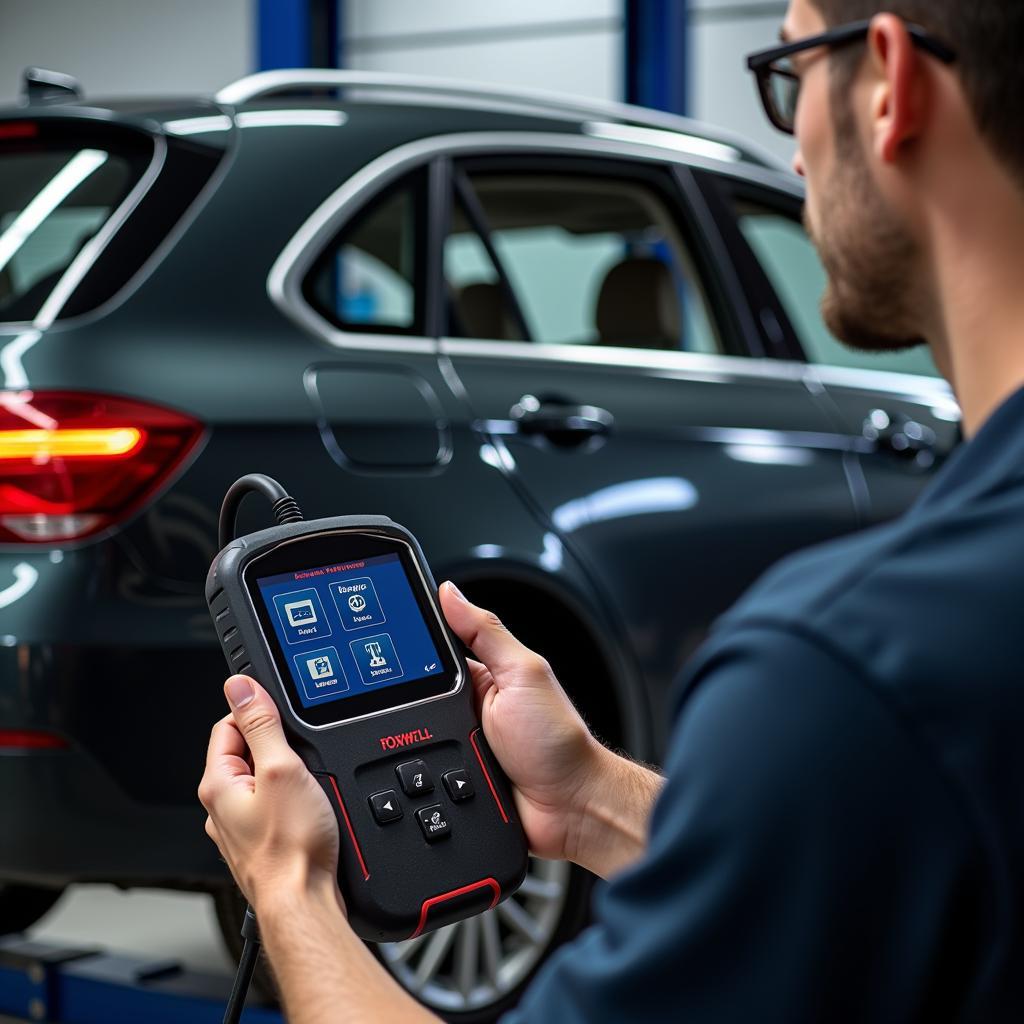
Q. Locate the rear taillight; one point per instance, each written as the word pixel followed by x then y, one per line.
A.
pixel 31 739
pixel 74 464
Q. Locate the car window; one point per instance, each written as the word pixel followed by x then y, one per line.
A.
pixel 791 262
pixel 370 277
pixel 588 260
pixel 54 197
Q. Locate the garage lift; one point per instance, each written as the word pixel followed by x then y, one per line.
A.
pixel 42 982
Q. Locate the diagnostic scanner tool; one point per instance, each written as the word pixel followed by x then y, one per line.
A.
pixel 338 618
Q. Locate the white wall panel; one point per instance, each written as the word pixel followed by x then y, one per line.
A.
pixel 573 46
pixel 585 65
pixel 722 90
pixel 128 47
pixel 389 17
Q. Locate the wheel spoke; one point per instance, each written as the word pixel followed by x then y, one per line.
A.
pixel 533 886
pixel 437 946
pixel 404 950
pixel 515 917
pixel 491 946
pixel 467 956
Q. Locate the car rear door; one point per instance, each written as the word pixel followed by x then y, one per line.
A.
pixel 604 354
pixel 898 417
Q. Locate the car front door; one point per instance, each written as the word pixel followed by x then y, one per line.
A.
pixel 600 354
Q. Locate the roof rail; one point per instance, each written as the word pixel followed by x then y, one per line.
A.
pixel 267 83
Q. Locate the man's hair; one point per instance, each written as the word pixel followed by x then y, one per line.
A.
pixel 988 39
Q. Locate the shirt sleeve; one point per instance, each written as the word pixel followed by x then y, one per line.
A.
pixel 804 862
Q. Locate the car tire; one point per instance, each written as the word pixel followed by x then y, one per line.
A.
pixel 22 905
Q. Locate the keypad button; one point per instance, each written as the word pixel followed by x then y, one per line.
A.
pixel 434 822
pixel 458 784
pixel 385 806
pixel 415 778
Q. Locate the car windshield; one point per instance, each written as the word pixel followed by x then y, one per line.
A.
pixel 55 195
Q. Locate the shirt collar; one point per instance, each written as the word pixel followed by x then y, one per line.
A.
pixel 994 456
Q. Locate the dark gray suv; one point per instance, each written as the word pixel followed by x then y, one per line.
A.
pixel 574 347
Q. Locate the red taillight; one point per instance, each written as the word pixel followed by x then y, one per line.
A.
pixel 31 739
pixel 19 130
pixel 74 464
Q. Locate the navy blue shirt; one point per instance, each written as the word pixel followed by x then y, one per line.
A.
pixel 841 832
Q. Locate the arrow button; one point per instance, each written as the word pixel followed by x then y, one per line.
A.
pixel 458 783
pixel 385 807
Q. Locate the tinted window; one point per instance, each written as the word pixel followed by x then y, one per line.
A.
pixel 370 277
pixel 54 197
pixel 63 181
pixel 589 260
pixel 792 265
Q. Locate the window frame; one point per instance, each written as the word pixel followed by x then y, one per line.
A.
pixel 660 177
pixel 421 183
pixel 720 192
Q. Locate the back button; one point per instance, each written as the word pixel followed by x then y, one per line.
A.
pixel 385 806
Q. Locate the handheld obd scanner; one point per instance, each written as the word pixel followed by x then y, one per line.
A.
pixel 338 618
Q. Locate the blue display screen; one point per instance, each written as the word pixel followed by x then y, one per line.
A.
pixel 349 629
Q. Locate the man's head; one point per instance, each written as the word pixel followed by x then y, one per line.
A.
pixel 878 122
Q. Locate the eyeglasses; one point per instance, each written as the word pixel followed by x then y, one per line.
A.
pixel 779 85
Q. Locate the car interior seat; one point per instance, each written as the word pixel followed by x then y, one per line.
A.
pixel 483 312
pixel 638 306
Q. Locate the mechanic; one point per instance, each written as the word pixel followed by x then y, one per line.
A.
pixel 839 835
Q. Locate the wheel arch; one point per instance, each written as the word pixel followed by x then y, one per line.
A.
pixel 589 658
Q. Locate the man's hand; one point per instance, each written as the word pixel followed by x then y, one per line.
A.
pixel 577 800
pixel 267 814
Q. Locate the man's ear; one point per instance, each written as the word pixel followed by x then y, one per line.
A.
pixel 899 86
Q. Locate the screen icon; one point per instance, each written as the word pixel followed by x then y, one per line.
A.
pixel 377 659
pixel 301 614
pixel 320 673
pixel 320 668
pixel 358 604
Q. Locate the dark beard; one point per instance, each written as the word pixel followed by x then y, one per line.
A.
pixel 871 299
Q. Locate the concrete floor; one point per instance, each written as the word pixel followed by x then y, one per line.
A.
pixel 143 922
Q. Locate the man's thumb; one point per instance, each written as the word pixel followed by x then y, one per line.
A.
pixel 257 718
pixel 482 632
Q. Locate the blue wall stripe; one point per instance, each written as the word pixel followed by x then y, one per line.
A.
pixel 283 34
pixel 656 54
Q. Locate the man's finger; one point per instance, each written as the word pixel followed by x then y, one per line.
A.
pixel 481 678
pixel 258 720
pixel 225 761
pixel 482 632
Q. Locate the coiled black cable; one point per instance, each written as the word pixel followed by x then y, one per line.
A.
pixel 284 506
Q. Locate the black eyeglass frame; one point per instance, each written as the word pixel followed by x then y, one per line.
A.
pixel 760 63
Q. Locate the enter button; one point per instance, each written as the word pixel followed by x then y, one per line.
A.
pixel 458 784
pixel 434 822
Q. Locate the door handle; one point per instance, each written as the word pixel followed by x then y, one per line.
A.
pixel 901 436
pixel 562 422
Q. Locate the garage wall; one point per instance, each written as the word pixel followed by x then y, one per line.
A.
pixel 118 47
pixel 722 91
pixel 572 46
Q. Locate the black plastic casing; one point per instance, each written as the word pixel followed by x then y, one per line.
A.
pixel 396 884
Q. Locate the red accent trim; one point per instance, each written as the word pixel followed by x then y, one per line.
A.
pixel 351 830
pixel 434 900
pixel 32 739
pixel 487 775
